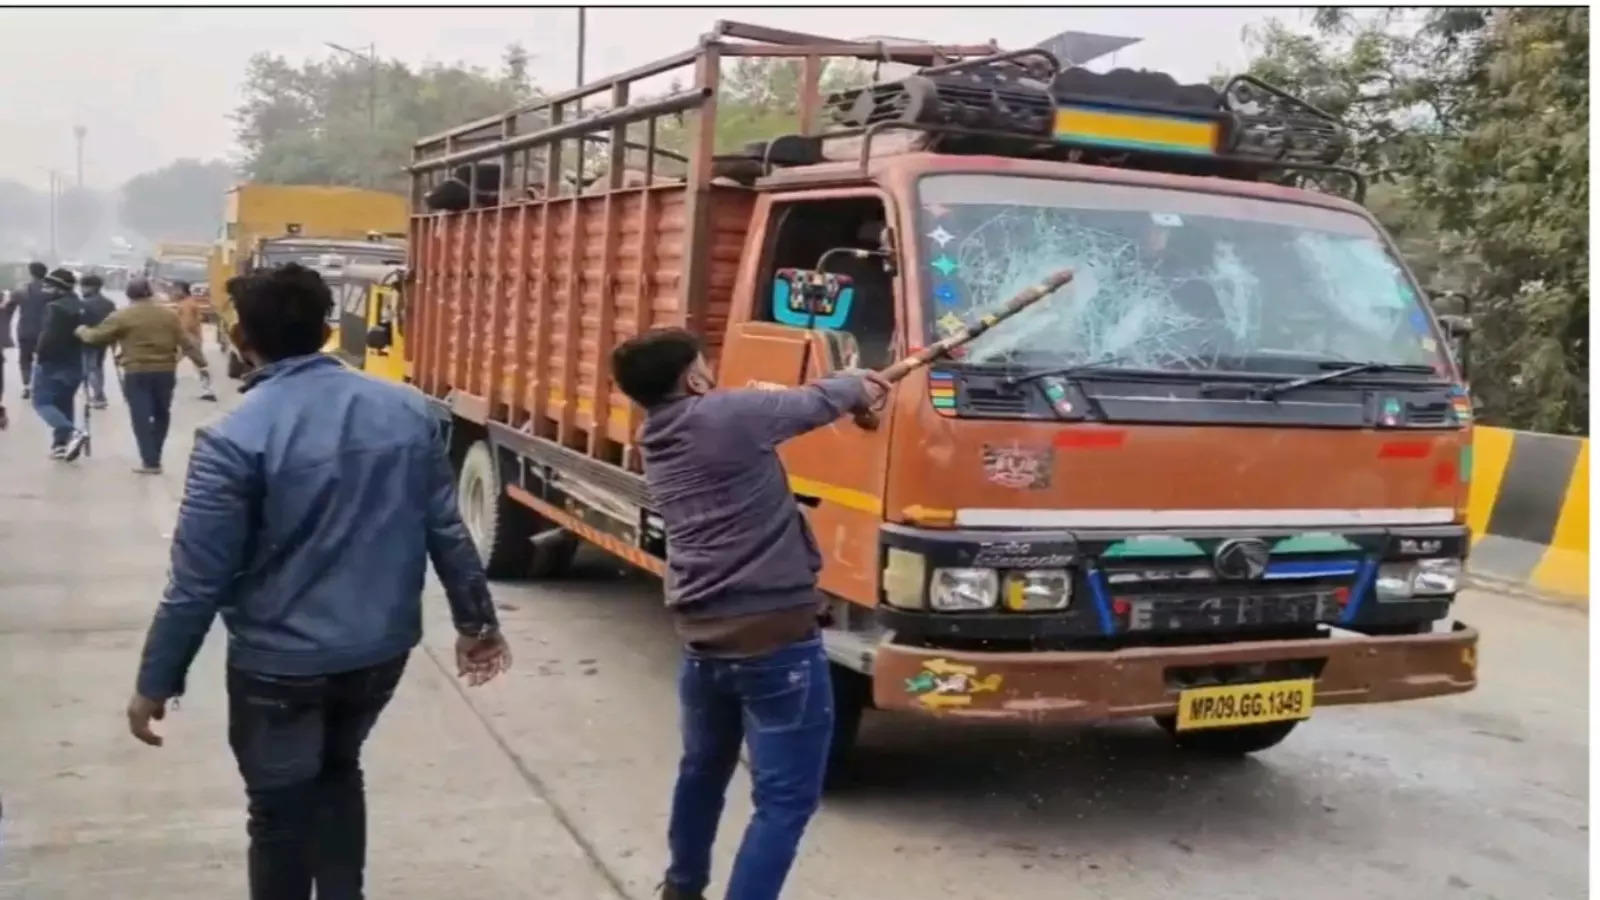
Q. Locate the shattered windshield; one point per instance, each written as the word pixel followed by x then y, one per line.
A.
pixel 1165 279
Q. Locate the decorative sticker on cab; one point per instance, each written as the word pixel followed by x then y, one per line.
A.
pixel 942 683
pixel 1018 466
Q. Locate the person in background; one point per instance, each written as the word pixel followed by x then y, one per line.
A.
pixel 149 340
pixel 316 547
pixel 29 304
pixel 7 308
pixel 742 587
pixel 189 314
pixel 96 307
pixel 58 365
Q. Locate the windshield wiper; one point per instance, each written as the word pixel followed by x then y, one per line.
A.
pixel 1342 369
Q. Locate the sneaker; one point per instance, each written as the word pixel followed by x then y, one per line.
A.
pixel 75 446
pixel 4 422
pixel 58 452
pixel 147 470
pixel 209 395
pixel 27 392
pixel 98 404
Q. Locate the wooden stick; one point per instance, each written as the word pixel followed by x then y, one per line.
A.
pixel 868 418
pixel 1024 299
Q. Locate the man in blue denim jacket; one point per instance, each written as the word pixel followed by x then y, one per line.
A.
pixel 742 586
pixel 307 519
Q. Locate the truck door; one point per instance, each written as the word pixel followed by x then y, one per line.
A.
pixel 837 472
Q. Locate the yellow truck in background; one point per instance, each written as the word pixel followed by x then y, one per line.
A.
pixel 173 261
pixel 257 216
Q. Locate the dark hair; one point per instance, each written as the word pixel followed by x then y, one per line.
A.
pixel 180 287
pixel 137 289
pixel 91 281
pixel 282 311
pixel 647 367
pixel 38 269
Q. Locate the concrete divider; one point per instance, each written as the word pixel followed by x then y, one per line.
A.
pixel 1529 510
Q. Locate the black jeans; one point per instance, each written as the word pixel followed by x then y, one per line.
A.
pixel 298 744
pixel 26 344
pixel 149 396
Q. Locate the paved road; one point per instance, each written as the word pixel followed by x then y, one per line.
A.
pixel 555 780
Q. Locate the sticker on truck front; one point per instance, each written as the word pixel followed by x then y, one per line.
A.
pixel 942 683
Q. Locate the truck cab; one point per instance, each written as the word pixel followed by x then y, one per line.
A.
pixel 1219 480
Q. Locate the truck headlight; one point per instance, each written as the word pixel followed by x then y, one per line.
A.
pixel 1423 578
pixel 958 590
pixel 1033 590
pixel 1435 577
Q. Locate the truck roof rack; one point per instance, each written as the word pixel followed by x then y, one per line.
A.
pixel 960 99
pixel 1024 104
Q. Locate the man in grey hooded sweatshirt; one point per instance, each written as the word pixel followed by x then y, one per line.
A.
pixel 742 586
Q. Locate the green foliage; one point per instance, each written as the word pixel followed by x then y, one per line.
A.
pixel 345 122
pixel 759 99
pixel 181 201
pixel 1476 123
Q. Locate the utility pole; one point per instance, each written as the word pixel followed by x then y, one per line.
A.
pixel 581 30
pixel 53 179
pixel 78 131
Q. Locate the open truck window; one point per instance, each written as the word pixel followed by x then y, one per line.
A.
pixel 1167 279
pixel 804 234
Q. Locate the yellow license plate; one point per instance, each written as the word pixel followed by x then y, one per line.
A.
pixel 1245 704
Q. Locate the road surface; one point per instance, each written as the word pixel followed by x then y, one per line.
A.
pixel 553 782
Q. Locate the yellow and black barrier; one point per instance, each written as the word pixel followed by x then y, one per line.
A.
pixel 1529 510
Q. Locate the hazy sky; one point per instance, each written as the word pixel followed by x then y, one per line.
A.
pixel 155 85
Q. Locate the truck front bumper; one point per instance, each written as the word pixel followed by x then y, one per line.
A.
pixel 1146 681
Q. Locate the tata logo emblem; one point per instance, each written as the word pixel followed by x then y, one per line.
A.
pixel 1241 559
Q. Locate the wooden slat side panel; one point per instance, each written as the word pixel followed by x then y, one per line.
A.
pixel 511 298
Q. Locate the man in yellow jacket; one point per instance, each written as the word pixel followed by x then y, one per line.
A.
pixel 150 338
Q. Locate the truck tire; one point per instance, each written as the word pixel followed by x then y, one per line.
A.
pixel 852 694
pixel 1239 741
pixel 500 527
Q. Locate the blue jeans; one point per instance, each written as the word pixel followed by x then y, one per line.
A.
pixel 94 372
pixel 298 744
pixel 781 704
pixel 53 388
pixel 149 396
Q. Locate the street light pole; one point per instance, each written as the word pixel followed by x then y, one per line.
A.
pixel 79 132
pixel 371 59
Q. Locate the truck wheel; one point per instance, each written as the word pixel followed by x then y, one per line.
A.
pixel 500 527
pixel 1228 741
pixel 852 694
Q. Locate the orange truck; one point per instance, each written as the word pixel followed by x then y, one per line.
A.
pixel 1220 480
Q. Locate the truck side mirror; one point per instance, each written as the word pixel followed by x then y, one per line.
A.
pixel 1456 326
